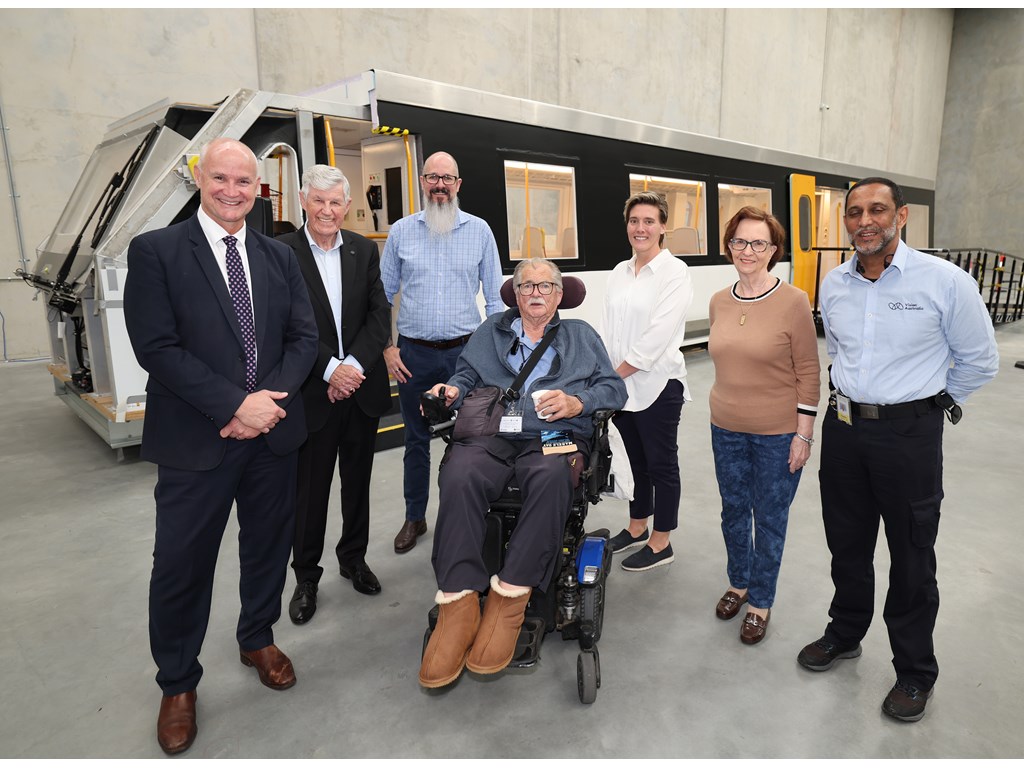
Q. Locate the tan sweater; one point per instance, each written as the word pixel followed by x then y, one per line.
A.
pixel 765 352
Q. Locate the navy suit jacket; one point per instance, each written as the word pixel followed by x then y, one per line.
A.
pixel 186 336
pixel 365 324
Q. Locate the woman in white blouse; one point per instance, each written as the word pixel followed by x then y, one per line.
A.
pixel 644 324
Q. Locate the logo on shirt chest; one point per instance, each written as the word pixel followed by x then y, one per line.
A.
pixel 909 306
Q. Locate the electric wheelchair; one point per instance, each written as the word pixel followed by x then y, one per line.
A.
pixel 574 602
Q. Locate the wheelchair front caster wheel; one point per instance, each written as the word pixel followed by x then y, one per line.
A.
pixel 587 676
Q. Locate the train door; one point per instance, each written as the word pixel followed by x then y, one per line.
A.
pixel 817 232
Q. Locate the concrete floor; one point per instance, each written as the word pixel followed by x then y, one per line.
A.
pixel 75 554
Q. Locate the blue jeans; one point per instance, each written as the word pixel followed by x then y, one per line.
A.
pixel 428 367
pixel 755 484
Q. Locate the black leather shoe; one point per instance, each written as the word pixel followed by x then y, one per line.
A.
pixel 362 578
pixel 406 538
pixel 303 604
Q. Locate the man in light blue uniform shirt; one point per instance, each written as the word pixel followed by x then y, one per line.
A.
pixel 910 339
pixel 439 259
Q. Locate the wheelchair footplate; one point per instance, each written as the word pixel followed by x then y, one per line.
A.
pixel 531 635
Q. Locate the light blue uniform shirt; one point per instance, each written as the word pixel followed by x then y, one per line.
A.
pixel 526 347
pixel 893 340
pixel 440 276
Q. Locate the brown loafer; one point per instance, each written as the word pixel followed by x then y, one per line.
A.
pixel 406 538
pixel 754 627
pixel 176 725
pixel 729 605
pixel 274 668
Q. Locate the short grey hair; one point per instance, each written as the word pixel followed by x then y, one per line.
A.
pixel 324 177
pixel 556 273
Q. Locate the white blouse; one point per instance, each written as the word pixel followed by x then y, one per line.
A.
pixel 645 322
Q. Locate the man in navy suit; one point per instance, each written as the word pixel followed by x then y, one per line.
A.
pixel 347 391
pixel 220 319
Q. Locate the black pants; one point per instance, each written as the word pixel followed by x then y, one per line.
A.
pixel 888 470
pixel 651 438
pixel 345 443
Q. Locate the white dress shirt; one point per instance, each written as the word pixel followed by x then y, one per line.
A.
pixel 328 263
pixel 215 235
pixel 645 322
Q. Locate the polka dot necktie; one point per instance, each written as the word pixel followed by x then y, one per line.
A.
pixel 243 308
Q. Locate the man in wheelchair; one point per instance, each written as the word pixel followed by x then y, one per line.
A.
pixel 571 379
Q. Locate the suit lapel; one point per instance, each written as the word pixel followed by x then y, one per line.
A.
pixel 348 274
pixel 310 271
pixel 204 255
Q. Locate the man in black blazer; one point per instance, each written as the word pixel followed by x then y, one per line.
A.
pixel 220 318
pixel 347 391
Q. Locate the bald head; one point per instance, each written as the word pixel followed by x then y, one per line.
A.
pixel 227 177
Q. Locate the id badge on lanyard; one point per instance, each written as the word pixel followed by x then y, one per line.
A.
pixel 512 421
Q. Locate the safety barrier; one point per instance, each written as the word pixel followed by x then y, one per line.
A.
pixel 1000 277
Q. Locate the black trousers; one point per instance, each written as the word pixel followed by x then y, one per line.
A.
pixel 650 437
pixel 192 511
pixel 888 470
pixel 345 443
pixel 474 474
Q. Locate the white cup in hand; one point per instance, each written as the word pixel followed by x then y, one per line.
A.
pixel 536 402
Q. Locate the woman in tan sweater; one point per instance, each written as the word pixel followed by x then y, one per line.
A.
pixel 763 404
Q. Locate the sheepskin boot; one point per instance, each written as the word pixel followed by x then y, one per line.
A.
pixel 458 619
pixel 499 629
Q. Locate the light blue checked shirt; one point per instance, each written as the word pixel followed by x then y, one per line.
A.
pixel 440 276
pixel 892 341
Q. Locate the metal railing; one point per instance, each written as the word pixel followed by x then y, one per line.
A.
pixel 1000 277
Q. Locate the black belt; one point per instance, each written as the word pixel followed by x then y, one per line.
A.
pixel 896 411
pixel 449 344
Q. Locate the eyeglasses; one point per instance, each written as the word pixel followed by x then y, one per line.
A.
pixel 544 289
pixel 433 178
pixel 757 246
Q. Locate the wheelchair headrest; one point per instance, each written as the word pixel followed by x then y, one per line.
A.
pixel 573 293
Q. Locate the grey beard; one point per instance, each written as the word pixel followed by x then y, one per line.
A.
pixel 441 218
pixel 888 235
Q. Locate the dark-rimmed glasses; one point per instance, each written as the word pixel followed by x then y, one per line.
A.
pixel 544 289
pixel 739 245
pixel 433 178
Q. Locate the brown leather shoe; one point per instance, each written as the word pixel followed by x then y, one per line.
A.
pixel 499 629
pixel 754 627
pixel 275 669
pixel 458 619
pixel 729 605
pixel 176 725
pixel 406 538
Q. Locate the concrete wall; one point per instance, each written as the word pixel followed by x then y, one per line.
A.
pixel 981 164
pixel 758 76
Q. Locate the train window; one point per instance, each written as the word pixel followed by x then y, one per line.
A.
pixel 541 204
pixel 687 227
pixel 831 234
pixel 732 197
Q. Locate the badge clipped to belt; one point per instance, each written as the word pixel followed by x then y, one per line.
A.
pixel 843 409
